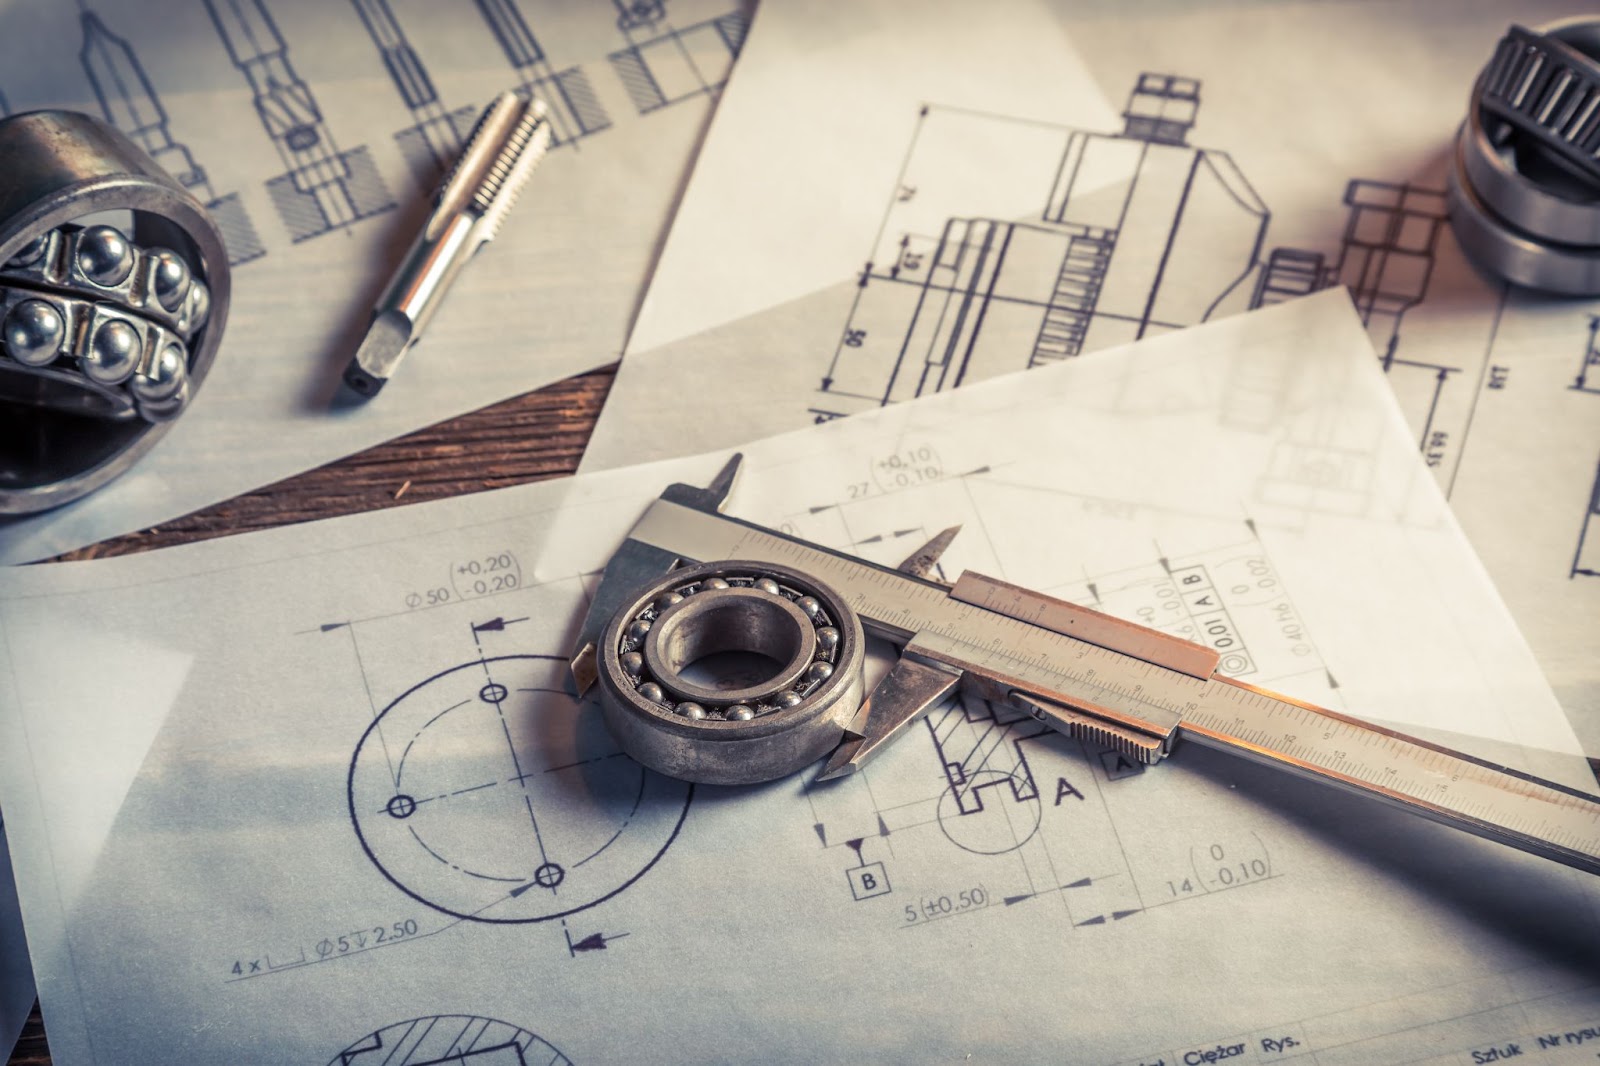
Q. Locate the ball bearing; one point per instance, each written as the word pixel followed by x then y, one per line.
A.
pixel 731 672
pixel 106 330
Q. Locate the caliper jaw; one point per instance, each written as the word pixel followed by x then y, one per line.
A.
pixel 913 685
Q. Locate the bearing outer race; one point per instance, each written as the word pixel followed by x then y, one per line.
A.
pixel 766 747
pixel 60 166
pixel 1565 269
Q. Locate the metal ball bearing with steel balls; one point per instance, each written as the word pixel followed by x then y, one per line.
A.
pixel 114 292
pixel 731 672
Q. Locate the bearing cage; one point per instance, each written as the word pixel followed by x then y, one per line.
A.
pixel 690 732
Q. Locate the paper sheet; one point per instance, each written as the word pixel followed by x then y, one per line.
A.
pixel 1264 150
pixel 350 813
pixel 318 181
pixel 16 976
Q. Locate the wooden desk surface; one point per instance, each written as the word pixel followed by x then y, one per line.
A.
pixel 530 438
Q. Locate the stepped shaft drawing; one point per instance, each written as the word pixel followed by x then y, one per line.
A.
pixel 575 111
pixel 129 102
pixel 436 136
pixel 323 188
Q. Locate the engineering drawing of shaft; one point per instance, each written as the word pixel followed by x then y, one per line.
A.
pixel 1139 233
pixel 574 109
pixel 129 102
pixel 436 136
pixel 662 64
pixel 323 188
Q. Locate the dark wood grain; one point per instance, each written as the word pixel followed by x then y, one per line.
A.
pixel 532 437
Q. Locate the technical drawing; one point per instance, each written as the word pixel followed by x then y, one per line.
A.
pixel 482 793
pixel 1163 235
pixel 575 111
pixel 639 14
pixel 451 1040
pixel 1386 259
pixel 323 188
pixel 993 808
pixel 663 64
pixel 980 756
pixel 129 102
pixel 1119 236
pixel 1586 557
pixel 435 138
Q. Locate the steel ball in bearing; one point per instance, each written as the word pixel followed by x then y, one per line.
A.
pixel 199 305
pixel 34 332
pixel 113 353
pixel 721 673
pixel 169 278
pixel 164 378
pixel 104 255
pixel 31 252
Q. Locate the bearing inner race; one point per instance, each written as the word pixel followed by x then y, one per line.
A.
pixel 717 622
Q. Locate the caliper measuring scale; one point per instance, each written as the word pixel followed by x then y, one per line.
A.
pixel 1089 675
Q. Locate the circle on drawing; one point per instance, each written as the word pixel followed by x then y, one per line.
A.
pixel 489 793
pixel 994 811
pixel 549 875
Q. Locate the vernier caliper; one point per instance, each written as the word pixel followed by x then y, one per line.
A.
pixel 690 584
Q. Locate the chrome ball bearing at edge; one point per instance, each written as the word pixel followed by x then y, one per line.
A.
pixel 731 730
pixel 105 335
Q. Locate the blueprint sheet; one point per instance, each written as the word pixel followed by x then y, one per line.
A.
pixel 16 976
pixel 325 797
pixel 315 131
pixel 1248 165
